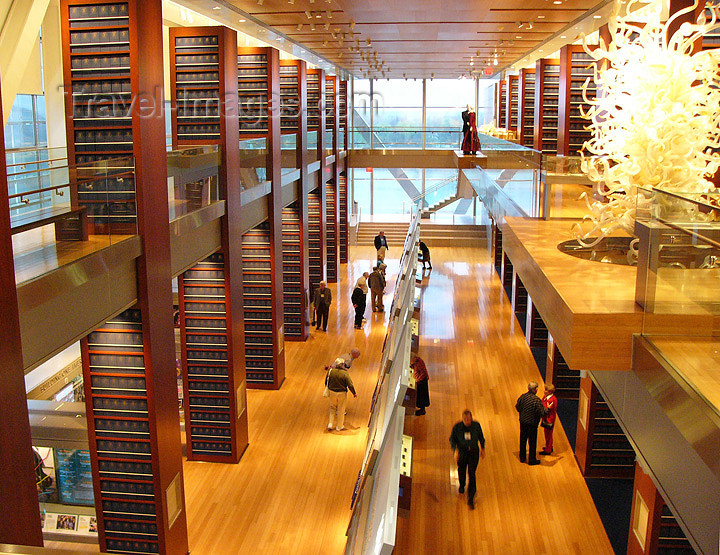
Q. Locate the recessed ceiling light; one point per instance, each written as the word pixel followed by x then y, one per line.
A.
pixel 216 7
pixel 518 37
pixel 557 2
pixel 563 36
pixel 596 17
pixel 241 21
pixel 541 17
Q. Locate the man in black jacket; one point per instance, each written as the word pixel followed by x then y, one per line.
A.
pixel 381 245
pixel 531 412
pixel 464 440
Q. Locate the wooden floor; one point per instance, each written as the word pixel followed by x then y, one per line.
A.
pixel 291 491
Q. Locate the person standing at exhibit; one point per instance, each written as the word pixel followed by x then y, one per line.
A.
pixel 359 302
pixel 464 440
pixel 549 401
pixel 425 252
pixel 376 281
pixel 338 382
pixel 422 392
pixel 381 245
pixel 531 411
pixel 322 302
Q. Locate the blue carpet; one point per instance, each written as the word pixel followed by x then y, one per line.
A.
pixel 613 499
pixel 540 356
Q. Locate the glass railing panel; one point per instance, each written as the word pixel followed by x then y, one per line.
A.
pixel 288 152
pixel 193 174
pixel 62 213
pixel 253 162
pixel 312 146
pixel 678 285
pixel 566 183
pixel 341 140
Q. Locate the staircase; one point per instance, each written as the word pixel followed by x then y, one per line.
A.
pixel 434 235
pixel 441 204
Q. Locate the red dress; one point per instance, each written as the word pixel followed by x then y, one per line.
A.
pixel 550 403
pixel 471 141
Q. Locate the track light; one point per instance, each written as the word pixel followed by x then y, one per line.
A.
pixel 299 27
pixel 308 14
pixel 260 2
pixel 327 25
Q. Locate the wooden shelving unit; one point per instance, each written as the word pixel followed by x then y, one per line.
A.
pixel 254 90
pixel 501 103
pixel 671 538
pixel 316 260
pixel 313 100
pixel 558 373
pixel 547 90
pixel 343 230
pixel 343 113
pixel 497 254
pixel 295 294
pixel 330 104
pixel 575 69
pixel 536 332
pixel 264 352
pixel 526 107
pixel 97 50
pixel 512 102
pixel 601 448
pixel 124 472
pixel 331 231
pixel 289 95
pixel 209 383
pixel 195 66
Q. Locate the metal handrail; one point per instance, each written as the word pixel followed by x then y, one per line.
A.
pixel 432 189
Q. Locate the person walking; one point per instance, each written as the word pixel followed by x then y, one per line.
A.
pixel 422 393
pixel 322 301
pixel 359 302
pixel 338 382
pixel 549 401
pixel 425 252
pixel 381 245
pixel 531 411
pixel 376 281
pixel 464 440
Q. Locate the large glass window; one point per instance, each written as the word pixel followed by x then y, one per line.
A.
pixel 26 126
pixel 362 114
pixel 398 118
pixel 445 100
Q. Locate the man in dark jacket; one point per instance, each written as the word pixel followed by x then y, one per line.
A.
pixel 531 412
pixel 321 301
pixel 376 282
pixel 359 301
pixel 464 440
pixel 381 245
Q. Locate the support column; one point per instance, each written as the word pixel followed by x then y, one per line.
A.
pixel 210 294
pixel 21 525
pixel 129 363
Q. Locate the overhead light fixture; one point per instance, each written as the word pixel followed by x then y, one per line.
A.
pixel 291 1
pixel 216 7
pixel 518 37
pixel 328 14
pixel 495 62
pixel 327 25
pixel 529 25
pixel 540 17
pixel 241 21
pixel 596 17
pixel 312 26
pixel 308 14
pixel 260 2
pixel 299 27
pixel 318 15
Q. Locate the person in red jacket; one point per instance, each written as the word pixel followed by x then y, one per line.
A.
pixel 549 401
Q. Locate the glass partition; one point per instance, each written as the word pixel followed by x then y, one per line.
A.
pixel 253 162
pixel 288 154
pixel 678 285
pixel 312 146
pixel 193 174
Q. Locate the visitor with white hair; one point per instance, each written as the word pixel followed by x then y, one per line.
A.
pixel 338 382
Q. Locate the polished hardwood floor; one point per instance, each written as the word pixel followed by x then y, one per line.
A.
pixel 291 491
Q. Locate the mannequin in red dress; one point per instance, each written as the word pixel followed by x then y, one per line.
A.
pixel 471 141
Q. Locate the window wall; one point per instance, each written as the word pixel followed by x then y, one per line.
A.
pixel 27 126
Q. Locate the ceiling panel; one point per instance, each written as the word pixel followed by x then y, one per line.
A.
pixel 393 38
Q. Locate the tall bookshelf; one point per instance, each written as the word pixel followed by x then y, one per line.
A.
pixel 547 88
pixel 526 107
pixel 295 301
pixel 195 84
pixel 99 40
pixel 331 230
pixel 343 112
pixel 601 448
pixel 264 349
pixel 500 103
pixel 254 89
pixel 213 409
pixel 343 229
pixel 330 105
pixel 565 379
pixel 316 259
pixel 313 100
pixel 511 104
pixel 119 430
pixel 289 95
pixel 575 68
